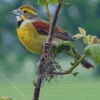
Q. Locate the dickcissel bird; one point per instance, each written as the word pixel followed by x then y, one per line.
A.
pixel 33 31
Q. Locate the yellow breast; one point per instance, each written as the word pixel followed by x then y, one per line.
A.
pixel 30 38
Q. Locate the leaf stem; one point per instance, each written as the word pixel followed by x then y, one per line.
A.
pixel 47 11
pixel 73 55
pixel 76 64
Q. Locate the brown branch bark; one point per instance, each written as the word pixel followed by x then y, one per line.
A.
pixel 45 54
pixel 37 89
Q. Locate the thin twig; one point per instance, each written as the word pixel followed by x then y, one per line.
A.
pixel 71 69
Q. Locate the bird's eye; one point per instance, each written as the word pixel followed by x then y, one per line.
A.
pixel 25 12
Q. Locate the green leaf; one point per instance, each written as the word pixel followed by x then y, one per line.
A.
pixel 65 45
pixel 52 1
pixel 95 53
pixel 99 41
pixel 78 36
pixel 87 39
pixel 87 50
pixel 81 34
pixel 42 2
pixel 34 81
pixel 75 74
pixel 94 40
pixel 82 31
pixel 7 98
pixel 65 4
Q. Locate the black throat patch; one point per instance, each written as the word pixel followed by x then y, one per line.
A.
pixel 19 23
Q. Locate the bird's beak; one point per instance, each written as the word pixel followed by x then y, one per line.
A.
pixel 16 12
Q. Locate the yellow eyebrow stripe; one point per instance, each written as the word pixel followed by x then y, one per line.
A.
pixel 33 12
pixel 30 10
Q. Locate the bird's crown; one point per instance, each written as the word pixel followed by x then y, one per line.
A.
pixel 28 9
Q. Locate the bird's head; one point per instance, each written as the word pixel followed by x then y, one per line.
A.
pixel 26 13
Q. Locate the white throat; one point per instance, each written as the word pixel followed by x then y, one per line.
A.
pixel 25 21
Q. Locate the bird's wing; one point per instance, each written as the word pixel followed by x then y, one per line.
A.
pixel 43 26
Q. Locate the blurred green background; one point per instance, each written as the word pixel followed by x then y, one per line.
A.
pixel 18 66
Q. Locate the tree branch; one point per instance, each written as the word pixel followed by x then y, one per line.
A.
pixel 45 54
